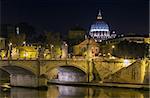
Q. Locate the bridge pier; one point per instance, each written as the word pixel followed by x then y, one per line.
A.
pixel 42 82
pixel 23 80
pixel 89 71
pixel 31 81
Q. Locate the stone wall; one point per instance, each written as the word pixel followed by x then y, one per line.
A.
pixel 105 68
pixel 135 73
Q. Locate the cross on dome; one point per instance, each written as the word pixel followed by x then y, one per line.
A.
pixel 99 16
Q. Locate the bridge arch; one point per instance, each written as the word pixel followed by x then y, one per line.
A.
pixel 71 65
pixel 68 71
pixel 16 70
pixel 18 76
pixel 4 76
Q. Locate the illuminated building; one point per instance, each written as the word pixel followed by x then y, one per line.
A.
pixel 27 52
pixel 86 48
pixel 100 30
pixel 130 38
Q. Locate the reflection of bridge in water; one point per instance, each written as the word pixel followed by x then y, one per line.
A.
pixel 33 73
pixel 74 92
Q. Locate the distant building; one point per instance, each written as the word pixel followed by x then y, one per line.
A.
pixel 147 40
pixel 133 38
pixel 100 30
pixel 86 48
pixel 132 46
pixel 27 52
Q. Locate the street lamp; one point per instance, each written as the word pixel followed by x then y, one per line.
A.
pixel 126 62
pixel 51 49
pixel 24 43
pixel 65 49
pixel 10 49
pixel 113 47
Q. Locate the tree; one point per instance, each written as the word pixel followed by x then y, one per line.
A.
pixel 28 30
pixel 127 49
pixel 53 38
pixel 16 39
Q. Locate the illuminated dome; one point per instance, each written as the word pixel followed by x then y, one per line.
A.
pixel 99 26
pixel 99 30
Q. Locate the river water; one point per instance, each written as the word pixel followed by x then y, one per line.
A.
pixel 60 91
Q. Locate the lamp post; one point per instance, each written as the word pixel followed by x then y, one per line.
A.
pixel 51 46
pixel 113 47
pixel 24 43
pixel 66 50
pixel 9 50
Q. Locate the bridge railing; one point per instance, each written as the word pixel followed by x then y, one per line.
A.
pixel 98 58
pixel 12 58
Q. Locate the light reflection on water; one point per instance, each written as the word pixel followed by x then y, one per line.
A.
pixel 55 91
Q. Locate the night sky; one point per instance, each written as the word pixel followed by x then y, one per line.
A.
pixel 123 16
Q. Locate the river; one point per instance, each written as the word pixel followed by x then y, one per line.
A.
pixel 60 91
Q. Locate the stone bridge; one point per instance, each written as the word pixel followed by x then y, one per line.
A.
pixel 36 71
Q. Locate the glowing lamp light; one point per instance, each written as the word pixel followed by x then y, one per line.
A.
pixel 109 54
pixel 113 46
pixel 66 45
pixel 113 57
pixel 26 54
pixel 24 42
pixel 126 62
pixel 104 54
pixel 10 44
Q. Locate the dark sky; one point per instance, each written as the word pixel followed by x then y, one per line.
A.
pixel 59 15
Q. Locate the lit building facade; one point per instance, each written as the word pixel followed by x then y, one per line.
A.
pixel 136 39
pixel 100 30
pixel 24 52
pixel 86 48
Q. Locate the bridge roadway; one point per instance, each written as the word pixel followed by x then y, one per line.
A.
pixel 36 71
